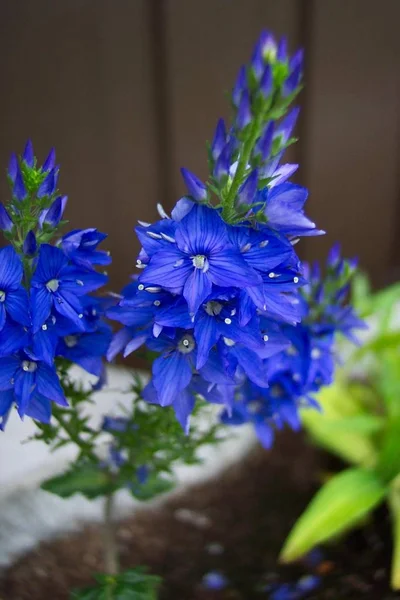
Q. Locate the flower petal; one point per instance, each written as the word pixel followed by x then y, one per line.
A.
pixel 12 338
pixel 51 261
pixel 228 268
pixel 24 386
pixel 202 231
pixel 10 269
pixel 41 302
pixel 39 408
pixel 8 368
pixel 183 406
pixel 69 306
pixel 206 335
pixel 49 385
pixel 197 287
pixel 168 268
pixel 171 375
pixel 17 305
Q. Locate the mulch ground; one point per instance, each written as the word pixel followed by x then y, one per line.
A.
pixel 234 525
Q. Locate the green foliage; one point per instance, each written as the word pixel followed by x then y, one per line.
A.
pixel 360 423
pixel 134 584
pixel 341 503
pixel 152 438
pixel 86 479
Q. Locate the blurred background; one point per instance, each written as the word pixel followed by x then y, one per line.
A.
pixel 129 90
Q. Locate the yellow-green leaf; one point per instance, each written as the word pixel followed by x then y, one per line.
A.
pixel 339 505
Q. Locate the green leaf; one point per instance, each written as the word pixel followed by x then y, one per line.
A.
pixel 342 427
pixel 154 486
pixel 340 504
pixel 394 504
pixel 88 480
pixel 135 584
pixel 389 458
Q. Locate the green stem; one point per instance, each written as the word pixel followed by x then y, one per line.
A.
pixel 228 204
pixel 85 447
pixel 110 546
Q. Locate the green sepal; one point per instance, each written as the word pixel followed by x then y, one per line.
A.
pixel 88 480
pixel 339 505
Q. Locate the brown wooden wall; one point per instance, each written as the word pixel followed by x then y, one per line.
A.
pixel 129 90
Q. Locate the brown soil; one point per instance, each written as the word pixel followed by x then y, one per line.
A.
pixel 235 525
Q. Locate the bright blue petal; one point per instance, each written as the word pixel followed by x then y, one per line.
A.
pixel 251 364
pixel 17 305
pixel 24 385
pixel 183 406
pixel 12 338
pixel 119 341
pixel 48 185
pixel 265 434
pixel 171 375
pixel 135 342
pixel 2 315
pixel 168 268
pixel 197 287
pixel 41 302
pixel 228 268
pixel 48 384
pixel 175 315
pixel 44 345
pixel 39 408
pixel 10 269
pixel 215 370
pixel 202 231
pixel 8 368
pixel 206 335
pixel 82 282
pixel 6 401
pixel 70 307
pixel 50 263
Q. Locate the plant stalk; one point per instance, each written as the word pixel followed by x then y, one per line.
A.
pixel 110 545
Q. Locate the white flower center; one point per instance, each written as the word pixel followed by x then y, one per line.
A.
pixel 186 344
pixel 29 366
pixel 2 296
pixel 213 308
pixel 71 340
pixel 200 262
pixel 53 285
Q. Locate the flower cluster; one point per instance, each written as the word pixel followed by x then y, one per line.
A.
pixel 46 310
pixel 218 291
pixel 308 363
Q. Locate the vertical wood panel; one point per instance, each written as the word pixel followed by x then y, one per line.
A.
pixel 76 74
pixel 351 148
pixel 206 44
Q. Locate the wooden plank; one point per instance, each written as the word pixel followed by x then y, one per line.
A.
pixel 76 74
pixel 206 42
pixel 350 153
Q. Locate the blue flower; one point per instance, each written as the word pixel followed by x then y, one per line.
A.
pixel 56 285
pixel 86 349
pixel 284 210
pixel 13 297
pixel 29 378
pixel 53 215
pixel 199 256
pixel 80 245
pixel 6 223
